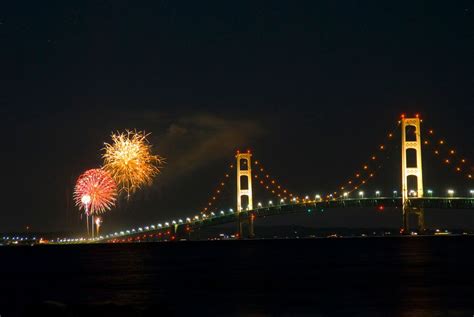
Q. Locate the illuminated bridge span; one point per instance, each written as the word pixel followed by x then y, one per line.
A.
pixel 411 199
pixel 180 228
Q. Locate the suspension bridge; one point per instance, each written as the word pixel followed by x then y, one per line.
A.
pixel 412 198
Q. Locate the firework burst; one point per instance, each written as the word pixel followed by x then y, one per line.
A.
pixel 130 161
pixel 95 191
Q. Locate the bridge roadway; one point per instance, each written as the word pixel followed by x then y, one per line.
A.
pixel 167 232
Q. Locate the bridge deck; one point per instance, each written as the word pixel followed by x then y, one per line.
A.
pixel 283 209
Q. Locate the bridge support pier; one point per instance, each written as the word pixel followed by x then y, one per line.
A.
pixel 251 229
pixel 420 214
pixel 240 224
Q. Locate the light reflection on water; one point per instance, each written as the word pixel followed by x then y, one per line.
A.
pixel 418 276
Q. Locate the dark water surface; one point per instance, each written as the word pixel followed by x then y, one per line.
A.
pixel 422 276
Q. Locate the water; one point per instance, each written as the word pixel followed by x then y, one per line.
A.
pixel 413 276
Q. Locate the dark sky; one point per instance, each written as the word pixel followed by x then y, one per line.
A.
pixel 312 87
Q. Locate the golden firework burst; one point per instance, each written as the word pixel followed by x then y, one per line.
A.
pixel 130 161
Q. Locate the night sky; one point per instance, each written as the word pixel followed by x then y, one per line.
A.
pixel 312 87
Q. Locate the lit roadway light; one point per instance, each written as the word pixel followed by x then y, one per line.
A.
pixel 306 197
pixel 346 195
pixel 361 194
pixel 318 197
pixel 377 193
pixel 222 212
pixel 270 202
pixel 430 192
pixel 167 224
pixel 450 192
pixel 282 201
pixel 412 193
pixel 395 193
pixel 188 219
pixel 259 205
pixel 472 192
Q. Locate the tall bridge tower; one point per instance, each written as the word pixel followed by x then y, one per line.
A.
pixel 412 171
pixel 244 190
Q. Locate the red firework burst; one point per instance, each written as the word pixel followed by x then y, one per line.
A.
pixel 95 191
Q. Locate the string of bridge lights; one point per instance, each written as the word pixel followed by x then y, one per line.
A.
pixel 270 184
pixel 449 156
pixel 367 171
pixel 216 194
pixel 360 178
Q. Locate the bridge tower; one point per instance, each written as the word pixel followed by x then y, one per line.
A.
pixel 412 168
pixel 244 190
